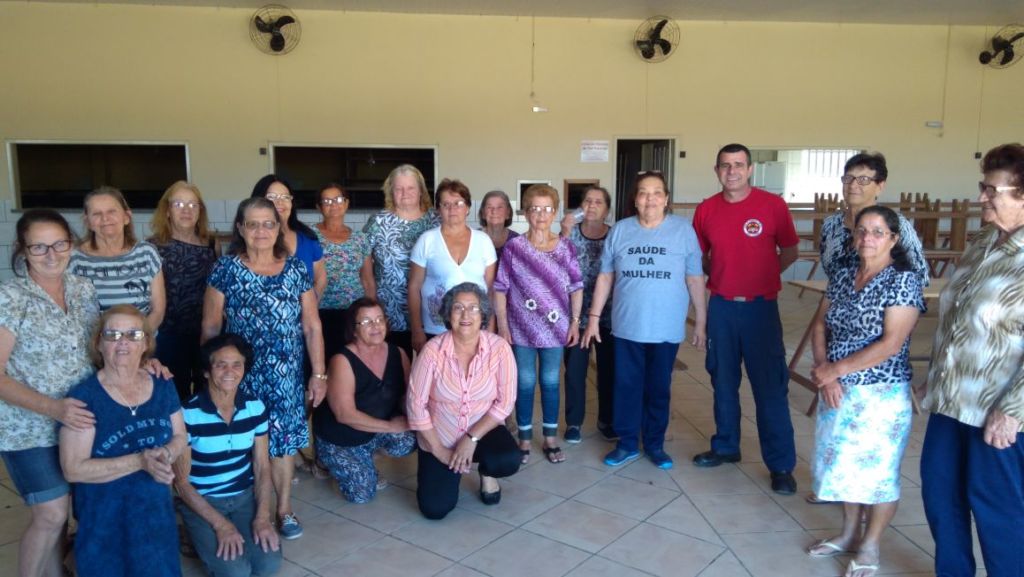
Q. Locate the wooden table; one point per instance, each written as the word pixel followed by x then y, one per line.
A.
pixel 818 286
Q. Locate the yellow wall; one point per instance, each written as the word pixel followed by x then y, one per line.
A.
pixel 119 72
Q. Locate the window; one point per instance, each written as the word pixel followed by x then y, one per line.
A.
pixel 59 175
pixel 797 174
pixel 361 170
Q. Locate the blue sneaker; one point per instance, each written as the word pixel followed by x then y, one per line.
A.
pixel 620 457
pixel 290 527
pixel 660 459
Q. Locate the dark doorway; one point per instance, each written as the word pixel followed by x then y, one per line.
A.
pixel 635 155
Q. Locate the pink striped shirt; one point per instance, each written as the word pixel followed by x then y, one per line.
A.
pixel 442 398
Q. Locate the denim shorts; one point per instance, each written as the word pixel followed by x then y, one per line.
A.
pixel 36 474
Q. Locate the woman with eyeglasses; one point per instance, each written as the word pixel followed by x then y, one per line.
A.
pixel 365 408
pixel 653 261
pixel 298 237
pixel 123 270
pixel 972 462
pixel 495 218
pixel 188 249
pixel 347 262
pixel 461 390
pixel 262 293
pixel 393 232
pixel 446 256
pixel 121 462
pixel 861 344
pixel 46 317
pixel 538 295
pixel 864 178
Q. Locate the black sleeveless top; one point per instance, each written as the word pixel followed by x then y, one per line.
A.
pixel 379 398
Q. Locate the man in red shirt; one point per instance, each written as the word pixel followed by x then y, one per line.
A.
pixel 748 239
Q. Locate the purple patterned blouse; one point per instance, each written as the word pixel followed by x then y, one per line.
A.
pixel 537 286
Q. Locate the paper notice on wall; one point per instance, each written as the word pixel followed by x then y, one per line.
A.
pixel 594 151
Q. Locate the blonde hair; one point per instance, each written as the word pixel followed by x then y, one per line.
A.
pixel 161 223
pixel 90 235
pixel 389 187
pixel 540 190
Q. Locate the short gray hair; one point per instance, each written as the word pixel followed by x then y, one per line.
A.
pixel 466 287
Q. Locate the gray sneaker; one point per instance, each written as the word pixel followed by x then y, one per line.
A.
pixel 290 527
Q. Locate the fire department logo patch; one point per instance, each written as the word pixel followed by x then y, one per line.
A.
pixel 753 227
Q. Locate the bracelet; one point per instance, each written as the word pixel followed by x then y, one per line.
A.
pixel 320 376
pixel 168 451
pixel 593 315
pixel 576 320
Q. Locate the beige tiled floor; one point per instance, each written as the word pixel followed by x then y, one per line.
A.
pixel 581 518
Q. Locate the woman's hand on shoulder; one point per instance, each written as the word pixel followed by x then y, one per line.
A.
pixel 158 369
pixel 73 413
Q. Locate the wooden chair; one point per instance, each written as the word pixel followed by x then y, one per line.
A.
pixel 957 241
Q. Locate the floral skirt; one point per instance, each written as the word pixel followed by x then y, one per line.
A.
pixel 859 446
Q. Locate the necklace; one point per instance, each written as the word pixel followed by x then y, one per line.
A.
pixel 125 401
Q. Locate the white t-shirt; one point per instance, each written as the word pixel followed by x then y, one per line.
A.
pixel 442 272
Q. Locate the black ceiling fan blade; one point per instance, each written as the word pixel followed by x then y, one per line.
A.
pixel 277 41
pixel 1007 56
pixel 665 45
pixel 261 25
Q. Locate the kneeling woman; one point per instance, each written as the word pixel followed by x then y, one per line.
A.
pixel 861 349
pixel 224 477
pixel 365 401
pixel 463 387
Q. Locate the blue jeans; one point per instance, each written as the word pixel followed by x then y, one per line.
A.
pixel 962 476
pixel 239 510
pixel 750 333
pixel 577 362
pixel 36 474
pixel 643 385
pixel 526 363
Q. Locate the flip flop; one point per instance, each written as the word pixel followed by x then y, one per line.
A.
pixel 813 499
pixel 554 454
pixel 855 566
pixel 831 550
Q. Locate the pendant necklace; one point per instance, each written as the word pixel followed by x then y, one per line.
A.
pixel 125 401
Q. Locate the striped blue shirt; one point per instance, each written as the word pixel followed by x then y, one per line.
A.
pixel 222 452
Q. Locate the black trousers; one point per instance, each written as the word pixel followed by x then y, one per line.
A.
pixel 437 489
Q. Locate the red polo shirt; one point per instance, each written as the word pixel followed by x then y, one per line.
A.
pixel 742 239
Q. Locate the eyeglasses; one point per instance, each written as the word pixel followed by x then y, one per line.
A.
pixel 252 225
pixel 111 335
pixel 459 309
pixel 367 322
pixel 274 197
pixel 991 191
pixel 451 205
pixel 339 200
pixel 861 180
pixel 877 234
pixel 541 209
pixel 180 204
pixel 39 249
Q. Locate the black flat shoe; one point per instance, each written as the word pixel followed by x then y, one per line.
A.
pixel 783 483
pixel 713 459
pixel 492 498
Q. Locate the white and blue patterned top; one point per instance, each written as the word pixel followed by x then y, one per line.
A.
pixel 125 279
pixel 50 353
pixel 222 452
pixel 856 319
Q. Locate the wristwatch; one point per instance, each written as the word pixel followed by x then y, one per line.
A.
pixel 472 438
